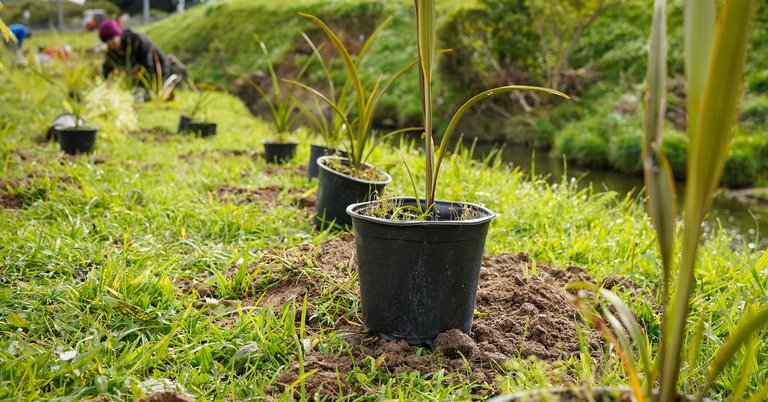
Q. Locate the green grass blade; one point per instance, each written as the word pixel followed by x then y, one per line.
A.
pixel 270 67
pixel 371 39
pixel 330 103
pixel 700 21
pixel 747 368
pixel 760 395
pixel 468 104
pixel 708 151
pixel 425 36
pixel 740 335
pixel 323 65
pixel 352 75
pixel 659 184
pixel 629 321
pixel 381 138
pixel 413 182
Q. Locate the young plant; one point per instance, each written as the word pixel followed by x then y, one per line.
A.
pixel 159 89
pixel 330 126
pixel 715 57
pixel 282 105
pixel 76 76
pixel 426 27
pixel 202 102
pixel 357 128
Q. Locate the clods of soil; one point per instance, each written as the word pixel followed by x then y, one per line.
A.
pixel 166 396
pixel 271 196
pixel 521 311
pixel 220 153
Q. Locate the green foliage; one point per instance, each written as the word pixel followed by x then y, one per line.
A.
pixel 741 169
pixel 624 152
pixel 358 115
pixel 40 10
pixel 715 58
pixel 754 112
pixel 675 148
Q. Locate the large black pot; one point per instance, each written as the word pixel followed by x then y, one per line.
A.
pixel 419 278
pixel 202 129
pixel 316 151
pixel 184 122
pixel 279 153
pixel 77 140
pixel 336 191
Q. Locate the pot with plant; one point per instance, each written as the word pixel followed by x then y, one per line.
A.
pixel 717 34
pixel 76 76
pixel 280 149
pixel 419 258
pixel 327 123
pixel 195 122
pixel 346 180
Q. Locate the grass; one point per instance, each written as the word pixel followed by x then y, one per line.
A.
pixel 92 301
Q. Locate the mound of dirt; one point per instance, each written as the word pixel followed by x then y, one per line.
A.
pixel 523 310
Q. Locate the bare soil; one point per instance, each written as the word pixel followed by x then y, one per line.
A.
pixel 271 196
pixel 520 313
pixel 166 396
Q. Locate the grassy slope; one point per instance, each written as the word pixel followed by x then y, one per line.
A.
pixel 218 38
pixel 131 228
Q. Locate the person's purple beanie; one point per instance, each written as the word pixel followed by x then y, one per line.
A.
pixel 108 29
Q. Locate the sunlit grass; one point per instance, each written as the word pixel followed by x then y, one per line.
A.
pixel 124 226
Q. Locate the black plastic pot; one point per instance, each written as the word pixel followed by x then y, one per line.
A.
pixel 336 191
pixel 279 153
pixel 202 129
pixel 316 151
pixel 77 140
pixel 419 278
pixel 184 121
pixel 574 394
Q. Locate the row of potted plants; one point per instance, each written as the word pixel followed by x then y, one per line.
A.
pixel 419 258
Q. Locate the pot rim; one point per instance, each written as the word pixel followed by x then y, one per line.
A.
pixel 76 129
pixel 352 210
pixel 268 142
pixel 321 163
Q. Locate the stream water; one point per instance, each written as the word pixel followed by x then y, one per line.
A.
pixel 748 224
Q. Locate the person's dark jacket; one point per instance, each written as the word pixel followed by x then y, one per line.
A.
pixel 138 52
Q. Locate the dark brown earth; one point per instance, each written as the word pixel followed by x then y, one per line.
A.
pixel 519 313
pixel 271 196
pixel 166 396
pixel 221 153
pixel 157 134
pixel 19 193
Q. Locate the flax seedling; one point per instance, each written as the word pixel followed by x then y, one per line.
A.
pixel 358 119
pixel 715 62
pixel 426 28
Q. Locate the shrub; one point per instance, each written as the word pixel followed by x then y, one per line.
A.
pixel 624 152
pixel 581 143
pixel 740 169
pixel 754 112
pixel 675 148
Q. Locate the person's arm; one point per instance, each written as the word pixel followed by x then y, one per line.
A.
pixel 109 65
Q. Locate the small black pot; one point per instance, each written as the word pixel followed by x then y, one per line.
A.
pixel 316 151
pixel 184 122
pixel 336 191
pixel 419 278
pixel 202 129
pixel 77 140
pixel 279 153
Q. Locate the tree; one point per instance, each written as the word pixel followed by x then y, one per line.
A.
pixel 560 24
